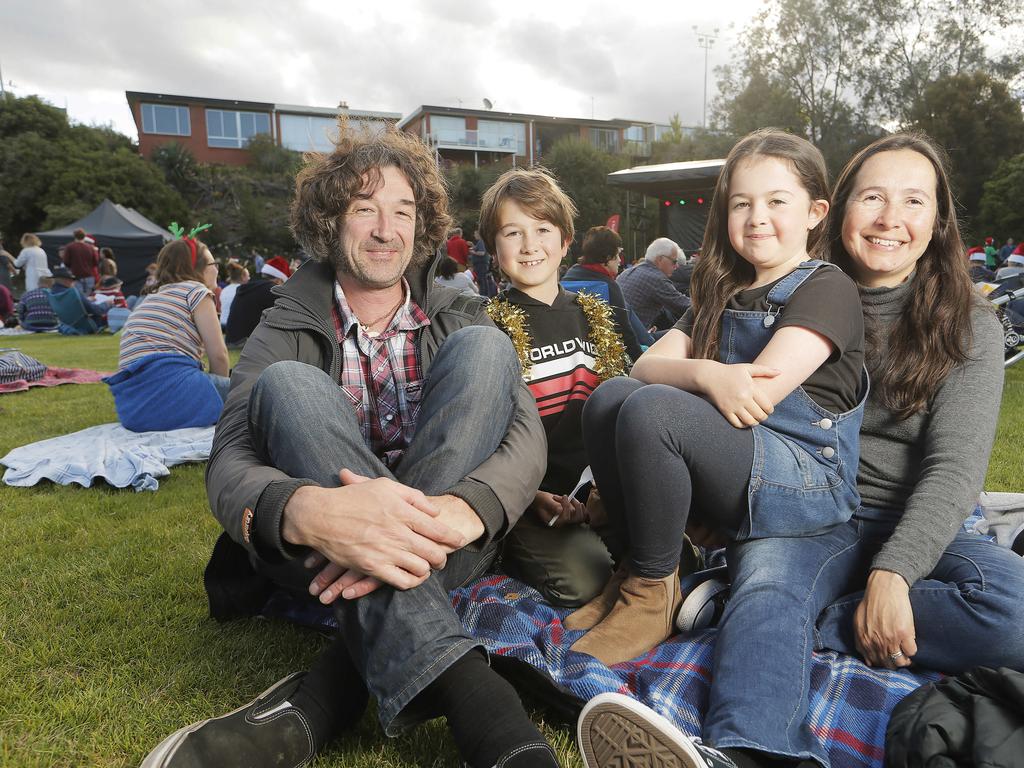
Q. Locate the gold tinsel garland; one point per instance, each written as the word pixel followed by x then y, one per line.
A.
pixel 610 353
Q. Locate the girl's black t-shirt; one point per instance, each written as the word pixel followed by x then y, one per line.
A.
pixel 828 303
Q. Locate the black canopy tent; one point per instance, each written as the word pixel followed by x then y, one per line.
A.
pixel 684 195
pixel 134 239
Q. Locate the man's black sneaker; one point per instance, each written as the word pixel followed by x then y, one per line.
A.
pixel 706 594
pixel 615 730
pixel 266 732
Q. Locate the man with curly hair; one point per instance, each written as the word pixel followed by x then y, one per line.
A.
pixel 356 462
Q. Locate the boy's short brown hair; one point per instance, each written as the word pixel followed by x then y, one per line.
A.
pixel 536 190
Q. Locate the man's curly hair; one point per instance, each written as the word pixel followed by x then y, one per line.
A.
pixel 327 184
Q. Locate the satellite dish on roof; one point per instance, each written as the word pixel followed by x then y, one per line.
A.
pixel 488 104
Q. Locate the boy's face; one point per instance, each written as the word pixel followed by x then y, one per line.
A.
pixel 529 251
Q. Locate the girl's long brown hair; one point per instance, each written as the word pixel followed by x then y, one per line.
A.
pixel 934 329
pixel 721 272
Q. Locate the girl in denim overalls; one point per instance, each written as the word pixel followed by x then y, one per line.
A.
pixel 744 418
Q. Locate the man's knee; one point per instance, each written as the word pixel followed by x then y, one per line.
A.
pixel 479 351
pixel 283 379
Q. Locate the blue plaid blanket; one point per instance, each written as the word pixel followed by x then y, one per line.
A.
pixel 850 702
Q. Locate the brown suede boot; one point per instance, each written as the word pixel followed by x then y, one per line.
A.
pixel 587 616
pixel 643 616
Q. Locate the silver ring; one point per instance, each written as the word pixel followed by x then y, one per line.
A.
pixel 894 657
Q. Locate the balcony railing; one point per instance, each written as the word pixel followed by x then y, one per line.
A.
pixel 636 148
pixel 489 142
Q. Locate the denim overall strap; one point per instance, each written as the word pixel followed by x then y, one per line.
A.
pixel 780 294
pixel 803 476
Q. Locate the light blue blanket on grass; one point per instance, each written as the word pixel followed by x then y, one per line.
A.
pixel 110 452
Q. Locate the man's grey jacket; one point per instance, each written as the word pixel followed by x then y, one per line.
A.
pixel 248 497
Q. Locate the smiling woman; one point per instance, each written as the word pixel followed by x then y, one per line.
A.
pixel 934 350
pixel 889 217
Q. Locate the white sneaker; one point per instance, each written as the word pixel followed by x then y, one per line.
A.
pixel 615 731
pixel 706 594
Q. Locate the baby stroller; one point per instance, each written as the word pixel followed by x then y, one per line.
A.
pixel 1008 298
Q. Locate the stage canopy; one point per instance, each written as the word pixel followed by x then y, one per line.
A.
pixel 683 191
pixel 134 239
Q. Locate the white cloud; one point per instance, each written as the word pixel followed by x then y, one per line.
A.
pixel 638 60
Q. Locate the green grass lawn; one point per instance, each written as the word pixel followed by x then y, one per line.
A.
pixel 105 645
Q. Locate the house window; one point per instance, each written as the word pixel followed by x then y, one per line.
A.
pixel 502 135
pixel 309 133
pixel 605 138
pixel 166 118
pixel 305 133
pixel 635 133
pixel 449 130
pixel 230 129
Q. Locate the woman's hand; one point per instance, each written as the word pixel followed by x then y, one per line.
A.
pixel 597 515
pixel 705 536
pixel 884 622
pixel 733 391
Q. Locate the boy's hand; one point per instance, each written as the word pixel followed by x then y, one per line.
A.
pixel 556 511
pixel 732 390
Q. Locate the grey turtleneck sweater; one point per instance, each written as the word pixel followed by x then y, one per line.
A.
pixel 932 465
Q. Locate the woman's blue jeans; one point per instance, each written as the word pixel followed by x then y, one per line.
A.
pixel 794 595
pixel 304 424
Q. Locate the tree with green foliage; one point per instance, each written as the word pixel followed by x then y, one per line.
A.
pixel 836 71
pixel 1002 211
pixel 979 123
pixel 582 171
pixel 246 205
pixel 912 43
pixel 53 172
pixel 466 187
pixel 760 100
pixel 699 144
pixel 811 49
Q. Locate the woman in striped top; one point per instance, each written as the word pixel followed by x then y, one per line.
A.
pixel 160 383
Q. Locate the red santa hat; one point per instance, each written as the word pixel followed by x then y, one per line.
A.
pixel 276 267
pixel 989 240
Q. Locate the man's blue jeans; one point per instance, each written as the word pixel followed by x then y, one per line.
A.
pixel 305 425
pixel 794 595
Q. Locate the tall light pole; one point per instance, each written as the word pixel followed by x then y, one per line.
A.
pixel 705 40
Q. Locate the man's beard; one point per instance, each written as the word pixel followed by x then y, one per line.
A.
pixel 365 273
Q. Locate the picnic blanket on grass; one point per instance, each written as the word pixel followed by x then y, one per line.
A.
pixel 55 377
pixel 110 452
pixel 850 702
pixel 21 332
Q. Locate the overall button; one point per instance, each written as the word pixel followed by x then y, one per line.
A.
pixel 828 453
pixel 825 423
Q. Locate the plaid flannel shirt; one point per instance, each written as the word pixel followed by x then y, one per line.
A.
pixel 648 292
pixel 382 376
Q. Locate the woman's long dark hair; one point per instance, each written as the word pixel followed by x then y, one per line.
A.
pixel 934 330
pixel 721 272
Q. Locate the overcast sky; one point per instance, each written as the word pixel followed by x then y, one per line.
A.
pixel 637 60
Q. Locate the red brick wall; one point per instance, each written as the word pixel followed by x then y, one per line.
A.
pixel 196 143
